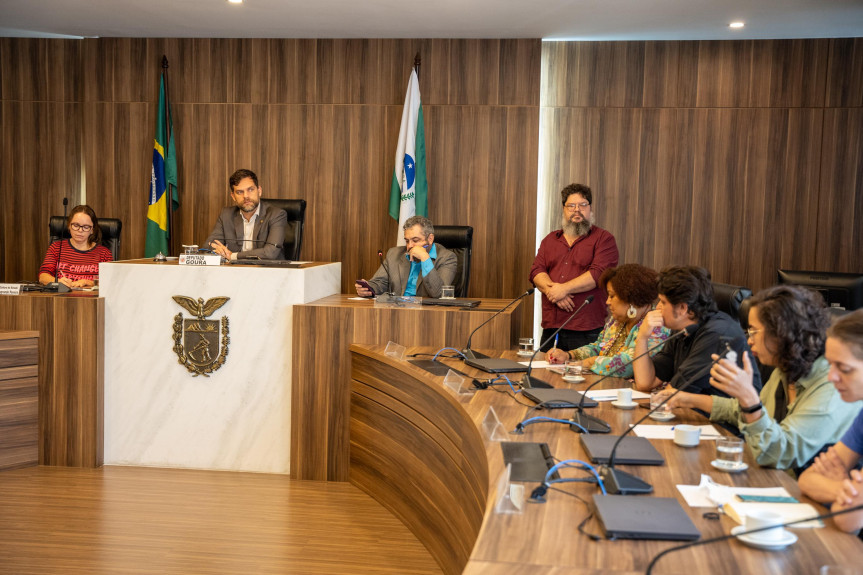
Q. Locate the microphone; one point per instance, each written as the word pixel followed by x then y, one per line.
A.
pixel 596 425
pixel 467 352
pixel 660 555
pixel 56 286
pixel 622 483
pixel 526 381
pixel 386 269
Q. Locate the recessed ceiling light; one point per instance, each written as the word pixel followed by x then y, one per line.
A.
pixel 235 1
pixel 736 25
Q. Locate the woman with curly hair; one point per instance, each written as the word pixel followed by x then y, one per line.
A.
pixel 632 292
pixel 798 411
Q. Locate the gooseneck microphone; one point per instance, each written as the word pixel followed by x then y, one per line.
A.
pixel 622 483
pixel 467 352
pixel 662 554
pixel 529 382
pixel 596 425
pixel 56 286
pixel 60 247
pixel 386 269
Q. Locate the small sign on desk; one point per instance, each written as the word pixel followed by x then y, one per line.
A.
pixel 200 260
pixel 10 289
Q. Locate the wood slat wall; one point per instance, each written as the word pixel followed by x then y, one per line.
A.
pixel 743 156
pixel 316 119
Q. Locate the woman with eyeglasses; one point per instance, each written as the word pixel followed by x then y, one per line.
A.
pixel 75 262
pixel 798 411
pixel 835 477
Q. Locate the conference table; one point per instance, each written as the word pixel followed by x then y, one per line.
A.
pixel 325 328
pixel 422 451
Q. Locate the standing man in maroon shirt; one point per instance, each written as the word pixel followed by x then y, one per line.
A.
pixel 567 269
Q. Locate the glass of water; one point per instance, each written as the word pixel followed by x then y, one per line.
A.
pixel 729 454
pixel 525 346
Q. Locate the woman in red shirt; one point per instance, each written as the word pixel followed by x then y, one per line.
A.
pixel 75 262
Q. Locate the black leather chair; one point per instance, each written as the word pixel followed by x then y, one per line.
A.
pixel 733 301
pixel 111 228
pixel 457 239
pixel 296 210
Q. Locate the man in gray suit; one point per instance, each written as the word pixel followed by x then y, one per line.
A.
pixel 419 268
pixel 251 230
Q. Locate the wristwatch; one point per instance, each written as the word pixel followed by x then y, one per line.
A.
pixel 751 408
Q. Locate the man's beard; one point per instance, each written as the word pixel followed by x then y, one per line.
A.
pixel 249 209
pixel 576 229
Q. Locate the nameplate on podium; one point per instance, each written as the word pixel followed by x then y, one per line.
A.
pixel 10 289
pixel 200 260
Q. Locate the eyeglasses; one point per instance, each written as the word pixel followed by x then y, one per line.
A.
pixel 573 207
pixel 80 228
pixel 752 331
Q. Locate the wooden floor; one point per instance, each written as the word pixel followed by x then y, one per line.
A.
pixel 170 521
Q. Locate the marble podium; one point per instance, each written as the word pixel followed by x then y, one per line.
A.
pixel 238 418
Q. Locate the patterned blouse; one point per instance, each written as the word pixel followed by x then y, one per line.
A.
pixel 615 347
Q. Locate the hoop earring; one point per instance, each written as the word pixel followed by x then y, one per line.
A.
pixel 631 312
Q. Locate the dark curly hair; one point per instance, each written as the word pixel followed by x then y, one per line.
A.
pixel 796 319
pixel 580 189
pixel 690 285
pixel 633 283
pixel 849 330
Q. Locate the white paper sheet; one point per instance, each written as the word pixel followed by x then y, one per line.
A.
pixel 651 431
pixel 611 394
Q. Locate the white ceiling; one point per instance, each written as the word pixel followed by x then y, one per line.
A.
pixel 548 19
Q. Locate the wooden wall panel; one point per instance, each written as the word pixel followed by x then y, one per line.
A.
pixel 316 119
pixel 845 73
pixel 731 173
pixel 840 205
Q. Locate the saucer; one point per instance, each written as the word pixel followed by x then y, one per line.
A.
pixel 631 405
pixel 742 467
pixel 573 378
pixel 662 415
pixel 752 540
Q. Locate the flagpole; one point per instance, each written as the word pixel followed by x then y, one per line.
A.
pixel 417 61
pixel 168 129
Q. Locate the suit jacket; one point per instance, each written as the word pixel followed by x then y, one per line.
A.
pixel 269 234
pixel 400 269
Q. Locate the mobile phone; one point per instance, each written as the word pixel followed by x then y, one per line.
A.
pixel 366 285
pixel 766 499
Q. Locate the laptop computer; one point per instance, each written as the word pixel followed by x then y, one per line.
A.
pixel 530 461
pixel 496 365
pixel 631 451
pixel 451 302
pixel 627 517
pixel 554 398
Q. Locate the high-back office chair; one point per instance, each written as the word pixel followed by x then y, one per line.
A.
pixel 111 228
pixel 296 210
pixel 732 300
pixel 459 240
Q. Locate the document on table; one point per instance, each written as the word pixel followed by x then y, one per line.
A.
pixel 667 431
pixel 711 494
pixel 611 394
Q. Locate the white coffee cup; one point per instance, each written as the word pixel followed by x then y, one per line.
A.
pixel 624 396
pixel 756 519
pixel 687 435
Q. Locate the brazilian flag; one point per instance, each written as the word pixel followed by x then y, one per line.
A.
pixel 164 172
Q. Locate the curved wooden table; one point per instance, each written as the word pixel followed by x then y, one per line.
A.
pixel 417 448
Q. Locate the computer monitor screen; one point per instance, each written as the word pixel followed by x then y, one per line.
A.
pixel 839 290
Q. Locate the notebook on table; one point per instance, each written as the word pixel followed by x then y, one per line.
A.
pixel 628 517
pixel 555 398
pixel 631 451
pixel 496 365
pixel 451 302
